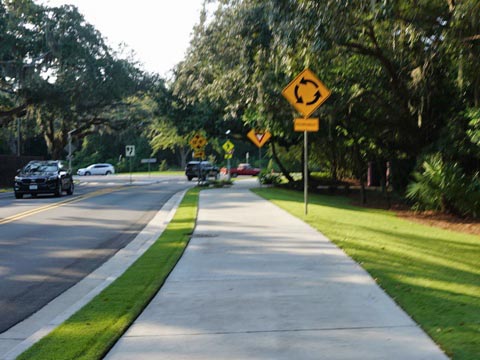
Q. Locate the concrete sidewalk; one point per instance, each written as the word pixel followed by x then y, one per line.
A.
pixel 258 283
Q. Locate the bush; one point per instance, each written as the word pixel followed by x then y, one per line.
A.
pixel 269 178
pixel 222 183
pixel 445 187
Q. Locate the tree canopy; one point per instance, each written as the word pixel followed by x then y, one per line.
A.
pixel 56 70
pixel 404 76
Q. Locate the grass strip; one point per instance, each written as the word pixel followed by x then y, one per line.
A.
pixel 433 274
pixel 93 330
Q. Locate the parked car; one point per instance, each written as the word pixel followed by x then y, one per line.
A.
pixel 97 169
pixel 43 177
pixel 200 169
pixel 241 169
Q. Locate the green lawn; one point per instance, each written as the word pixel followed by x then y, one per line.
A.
pixel 433 274
pixel 93 330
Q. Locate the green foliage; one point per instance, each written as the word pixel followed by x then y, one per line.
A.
pixel 57 71
pixel 222 183
pixel 268 177
pixel 404 78
pixel 474 131
pixel 445 187
pixel 163 165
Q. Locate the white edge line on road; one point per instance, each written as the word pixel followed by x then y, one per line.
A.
pixel 106 274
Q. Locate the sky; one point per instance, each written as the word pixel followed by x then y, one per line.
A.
pixel 158 31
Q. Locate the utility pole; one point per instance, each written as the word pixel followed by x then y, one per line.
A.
pixel 70 149
pixel 18 137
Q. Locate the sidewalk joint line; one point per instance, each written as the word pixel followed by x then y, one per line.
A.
pixel 277 331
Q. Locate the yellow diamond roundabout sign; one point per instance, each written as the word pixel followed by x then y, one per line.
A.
pixel 306 93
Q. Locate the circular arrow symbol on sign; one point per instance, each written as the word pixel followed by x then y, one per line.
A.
pixel 304 82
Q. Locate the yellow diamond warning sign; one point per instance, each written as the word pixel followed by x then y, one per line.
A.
pixel 228 146
pixel 197 142
pixel 306 93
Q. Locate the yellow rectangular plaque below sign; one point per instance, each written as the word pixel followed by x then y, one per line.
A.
pixel 199 154
pixel 309 125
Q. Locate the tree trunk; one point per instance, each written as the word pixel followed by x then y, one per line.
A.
pixel 280 165
pixel 363 194
pixel 381 168
pixel 476 92
pixel 183 152
pixel 359 172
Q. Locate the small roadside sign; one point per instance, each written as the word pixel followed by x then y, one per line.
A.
pixel 306 93
pixel 148 161
pixel 228 146
pixel 197 142
pixel 228 156
pixel 309 125
pixel 130 151
pixel 259 138
pixel 200 154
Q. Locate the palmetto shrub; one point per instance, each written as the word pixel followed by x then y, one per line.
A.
pixel 444 186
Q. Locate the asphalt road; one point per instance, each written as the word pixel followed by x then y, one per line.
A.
pixel 47 244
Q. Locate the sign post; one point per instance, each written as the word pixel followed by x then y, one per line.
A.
pixel 149 161
pixel 130 152
pixel 198 142
pixel 306 93
pixel 305 172
pixel 259 138
pixel 228 147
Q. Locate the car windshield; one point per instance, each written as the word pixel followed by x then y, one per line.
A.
pixel 40 168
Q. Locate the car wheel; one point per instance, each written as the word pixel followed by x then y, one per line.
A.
pixel 58 190
pixel 189 178
pixel 18 196
pixel 108 173
pixel 33 195
pixel 87 173
pixel 70 189
pixel 234 175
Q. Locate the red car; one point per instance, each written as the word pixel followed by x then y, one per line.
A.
pixel 241 169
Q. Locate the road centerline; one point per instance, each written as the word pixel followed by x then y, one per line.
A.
pixel 27 213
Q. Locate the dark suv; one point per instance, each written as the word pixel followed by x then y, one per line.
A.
pixel 43 177
pixel 201 170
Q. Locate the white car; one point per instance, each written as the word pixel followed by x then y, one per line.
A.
pixel 97 169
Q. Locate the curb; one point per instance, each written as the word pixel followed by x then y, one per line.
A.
pixel 41 323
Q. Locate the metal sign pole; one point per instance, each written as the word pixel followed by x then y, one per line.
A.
pixel 305 172
pixel 260 157
pixel 130 166
pixel 229 176
pixel 199 173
